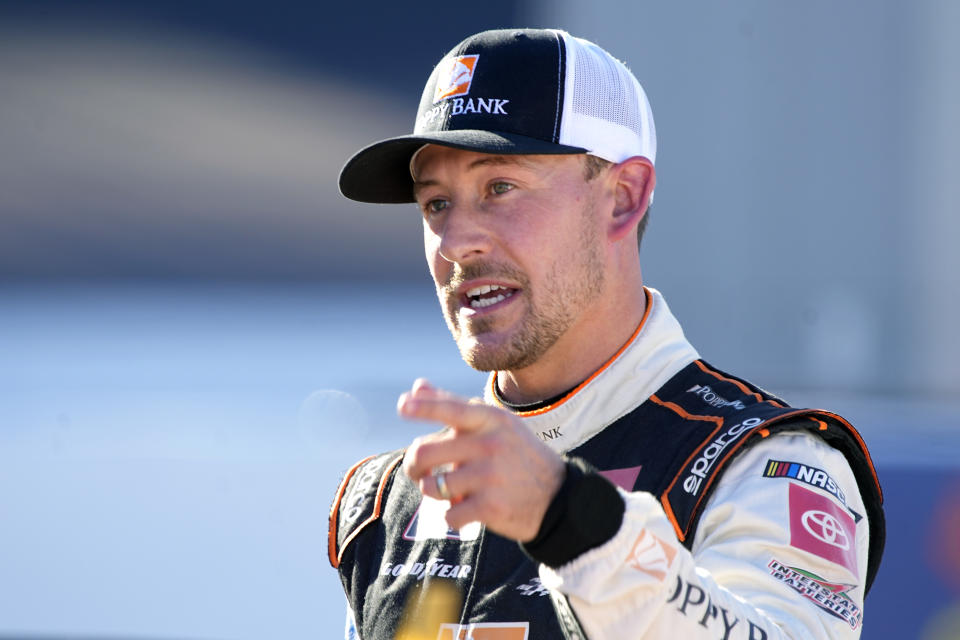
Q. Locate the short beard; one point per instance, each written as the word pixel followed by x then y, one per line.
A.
pixel 541 327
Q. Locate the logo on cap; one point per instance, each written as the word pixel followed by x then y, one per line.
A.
pixel 454 77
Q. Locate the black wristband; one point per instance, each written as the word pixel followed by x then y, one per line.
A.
pixel 585 513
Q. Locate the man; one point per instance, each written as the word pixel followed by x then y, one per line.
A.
pixel 651 494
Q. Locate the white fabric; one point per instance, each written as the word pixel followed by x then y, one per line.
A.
pixel 628 587
pixel 605 110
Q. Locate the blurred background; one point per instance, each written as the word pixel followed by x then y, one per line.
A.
pixel 198 335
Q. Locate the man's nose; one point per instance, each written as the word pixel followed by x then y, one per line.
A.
pixel 464 236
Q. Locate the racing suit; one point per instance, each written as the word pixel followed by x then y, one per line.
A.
pixel 737 517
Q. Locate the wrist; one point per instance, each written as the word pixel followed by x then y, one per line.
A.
pixel 586 512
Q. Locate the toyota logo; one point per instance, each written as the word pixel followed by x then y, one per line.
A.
pixel 824 527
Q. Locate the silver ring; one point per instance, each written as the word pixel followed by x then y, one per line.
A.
pixel 442 485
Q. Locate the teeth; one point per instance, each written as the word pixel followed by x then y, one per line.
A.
pixel 486 302
pixel 486 288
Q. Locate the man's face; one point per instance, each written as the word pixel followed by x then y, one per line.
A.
pixel 515 247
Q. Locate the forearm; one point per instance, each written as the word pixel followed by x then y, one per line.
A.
pixel 642 583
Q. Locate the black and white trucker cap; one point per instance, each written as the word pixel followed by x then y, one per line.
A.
pixel 514 91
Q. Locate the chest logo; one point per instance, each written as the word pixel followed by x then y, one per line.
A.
pixel 430 523
pixel 485 631
pixel 624 478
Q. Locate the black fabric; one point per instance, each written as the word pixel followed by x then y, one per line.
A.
pixel 586 512
pixel 520 66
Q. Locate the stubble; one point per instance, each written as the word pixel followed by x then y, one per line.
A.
pixel 572 282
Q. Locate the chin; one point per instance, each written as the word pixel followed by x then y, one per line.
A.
pixel 493 357
pixel 479 356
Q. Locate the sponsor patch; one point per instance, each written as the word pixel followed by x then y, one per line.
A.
pixel 808 475
pixel 533 588
pixel 434 567
pixel 709 455
pixel 485 631
pixel 820 526
pixel 651 555
pixel 624 478
pixel 363 492
pixel 430 523
pixel 455 77
pixel 708 395
pixel 832 597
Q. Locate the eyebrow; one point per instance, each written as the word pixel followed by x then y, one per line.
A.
pixel 498 160
pixel 479 162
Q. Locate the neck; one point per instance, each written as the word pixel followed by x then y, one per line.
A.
pixel 578 354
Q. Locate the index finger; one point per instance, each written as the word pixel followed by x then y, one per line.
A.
pixel 456 413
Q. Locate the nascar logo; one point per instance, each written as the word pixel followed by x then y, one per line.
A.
pixel 808 475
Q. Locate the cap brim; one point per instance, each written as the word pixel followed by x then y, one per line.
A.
pixel 381 172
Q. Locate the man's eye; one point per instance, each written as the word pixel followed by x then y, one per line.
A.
pixel 500 187
pixel 436 206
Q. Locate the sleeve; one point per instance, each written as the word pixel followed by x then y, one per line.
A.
pixel 780 552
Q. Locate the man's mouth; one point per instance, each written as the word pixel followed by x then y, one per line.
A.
pixel 487 295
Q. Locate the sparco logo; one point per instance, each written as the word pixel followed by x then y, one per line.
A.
pixel 703 464
pixel 364 486
pixel 709 396
pixel 824 527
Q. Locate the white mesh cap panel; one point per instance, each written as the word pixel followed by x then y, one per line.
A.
pixel 605 109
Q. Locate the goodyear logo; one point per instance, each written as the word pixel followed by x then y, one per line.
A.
pixel 455 76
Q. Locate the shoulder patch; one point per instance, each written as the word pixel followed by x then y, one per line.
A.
pixel 686 494
pixel 359 500
pixel 809 475
pixel 832 597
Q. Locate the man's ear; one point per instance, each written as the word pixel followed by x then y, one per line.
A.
pixel 635 179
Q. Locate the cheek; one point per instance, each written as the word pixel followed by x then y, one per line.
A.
pixel 431 250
